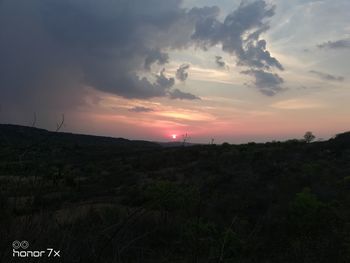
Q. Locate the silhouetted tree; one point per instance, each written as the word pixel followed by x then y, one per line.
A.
pixel 309 137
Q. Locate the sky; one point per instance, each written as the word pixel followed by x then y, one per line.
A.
pixel 235 71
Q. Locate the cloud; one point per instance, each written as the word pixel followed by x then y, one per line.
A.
pixel 239 34
pixel 52 50
pixel 338 44
pixel 268 83
pixel 178 94
pixel 163 82
pixel 156 56
pixel 297 104
pixel 139 109
pixel 181 72
pixel 326 76
pixel 219 62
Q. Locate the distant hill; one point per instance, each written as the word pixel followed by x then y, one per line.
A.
pixel 17 135
pixel 342 138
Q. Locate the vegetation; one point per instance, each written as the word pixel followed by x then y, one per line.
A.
pixel 309 137
pixel 112 200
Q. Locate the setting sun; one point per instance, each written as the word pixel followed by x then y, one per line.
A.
pixel 174 136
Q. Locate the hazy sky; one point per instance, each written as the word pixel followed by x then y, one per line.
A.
pixel 235 71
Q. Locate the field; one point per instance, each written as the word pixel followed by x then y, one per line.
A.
pixel 100 199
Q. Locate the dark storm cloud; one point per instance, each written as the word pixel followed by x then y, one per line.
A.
pixel 268 83
pixel 326 76
pixel 156 56
pixel 181 72
pixel 58 47
pixel 219 62
pixel 163 82
pixel 338 44
pixel 113 39
pixel 139 109
pixel 51 50
pixel 178 94
pixel 136 87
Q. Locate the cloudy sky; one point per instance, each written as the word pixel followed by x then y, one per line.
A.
pixel 231 70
